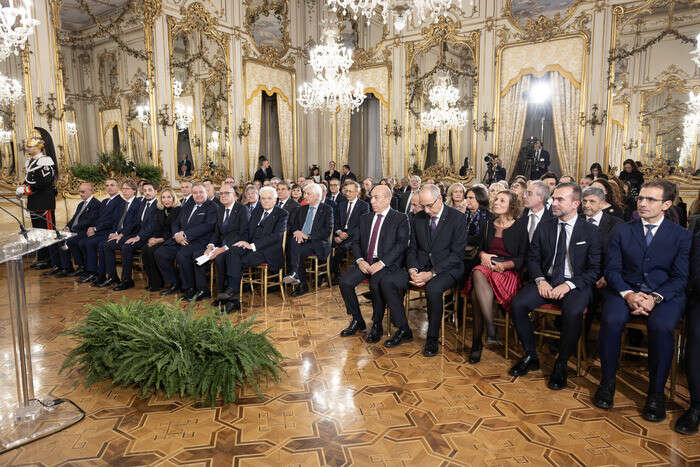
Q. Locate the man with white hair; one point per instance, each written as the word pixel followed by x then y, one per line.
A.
pixel 536 195
pixel 434 261
pixel 311 229
pixel 261 244
pixel 405 201
pixel 251 200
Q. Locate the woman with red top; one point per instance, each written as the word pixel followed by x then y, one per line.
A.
pixel 503 250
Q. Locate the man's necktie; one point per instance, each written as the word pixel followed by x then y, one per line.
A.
pixel 408 203
pixel 533 225
pixel 650 236
pixel 228 211
pixel 194 208
pixel 560 257
pixel 369 257
pixel 347 214
pixel 121 219
pixel 433 225
pixel 591 220
pixel 80 213
pixel 309 222
pixel 145 208
pixel 280 204
pixel 264 216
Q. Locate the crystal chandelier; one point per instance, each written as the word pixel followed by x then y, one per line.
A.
pixel 444 114
pixel 143 114
pixel 331 88
pixel 16 25
pixel 695 53
pixel 183 116
pixel 71 129
pixel 402 11
pixel 177 88
pixel 10 90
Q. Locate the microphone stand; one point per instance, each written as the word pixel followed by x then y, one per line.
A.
pixel 20 205
pixel 22 229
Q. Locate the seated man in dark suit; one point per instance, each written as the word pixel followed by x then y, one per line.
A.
pixel 647 273
pixel 251 199
pixel 284 199
pixel 404 202
pixel 85 215
pixel 687 423
pixel 231 227
pixel 434 261
pixel 379 246
pixel 127 226
pixel 334 191
pixel 563 263
pixel 311 231
pixel 193 230
pixel 536 196
pixel 110 210
pixel 130 244
pixel 347 218
pixel 262 244
pixel 347 175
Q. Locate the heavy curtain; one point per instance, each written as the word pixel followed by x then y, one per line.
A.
pixel 269 133
pixel 111 118
pixel 617 135
pixel 284 112
pixel 342 121
pixel 565 112
pixel 512 113
pixel 365 140
pixel 254 116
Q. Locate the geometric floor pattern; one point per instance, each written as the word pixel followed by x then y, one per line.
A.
pixel 341 402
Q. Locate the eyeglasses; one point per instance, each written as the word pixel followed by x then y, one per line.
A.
pixel 428 206
pixel 648 200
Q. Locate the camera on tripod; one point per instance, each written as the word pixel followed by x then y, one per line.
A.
pixel 490 160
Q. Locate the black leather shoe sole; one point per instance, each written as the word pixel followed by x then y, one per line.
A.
pixel 397 342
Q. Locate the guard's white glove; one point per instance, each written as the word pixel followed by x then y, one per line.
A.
pixel 19 191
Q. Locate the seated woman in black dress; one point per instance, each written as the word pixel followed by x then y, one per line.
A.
pixel 503 249
pixel 477 212
pixel 611 205
pixel 168 210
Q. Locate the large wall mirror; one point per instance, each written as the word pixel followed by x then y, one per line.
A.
pixel 200 75
pixel 103 57
pixel 14 125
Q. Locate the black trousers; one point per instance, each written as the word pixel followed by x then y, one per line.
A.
pixel 45 222
pixel 127 258
pixel 183 255
pixel 393 288
pixel 572 305
pixel 236 260
pixel 339 256
pixel 200 272
pixel 350 279
pixel 297 253
pixel 692 357
pixel 148 256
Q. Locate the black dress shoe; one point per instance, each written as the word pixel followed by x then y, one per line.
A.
pixel 153 288
pixel 63 273
pixel 525 364
pixel 368 295
pixel 169 290
pixel 188 294
pixel 76 273
pixel 475 354
pixel 399 338
pixel 430 349
pixel 353 328
pixel 688 423
pixel 655 407
pixel 40 265
pixel 200 295
pixel 233 305
pixel 123 285
pixel 605 395
pixel 375 334
pixel 87 278
pixel 227 294
pixel 300 290
pixel 557 380
pixel 52 271
pixel 106 283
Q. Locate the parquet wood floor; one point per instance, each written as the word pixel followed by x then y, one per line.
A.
pixel 342 402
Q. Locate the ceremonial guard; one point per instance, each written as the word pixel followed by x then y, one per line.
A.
pixel 39 186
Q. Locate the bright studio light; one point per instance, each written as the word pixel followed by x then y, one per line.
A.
pixel 539 93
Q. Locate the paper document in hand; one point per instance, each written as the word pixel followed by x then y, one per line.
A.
pixel 202 259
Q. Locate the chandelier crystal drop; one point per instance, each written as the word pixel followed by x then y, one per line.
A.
pixel 71 129
pixel 401 11
pixel 331 88
pixel 143 114
pixel 444 114
pixel 183 116
pixel 16 25
pixel 10 90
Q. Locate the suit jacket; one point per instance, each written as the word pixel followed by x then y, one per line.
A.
pixel 164 222
pixel 515 240
pixel 110 212
pixel 542 161
pixel 290 205
pixel 607 224
pixel 320 231
pixel 249 211
pixel 695 266
pixel 131 222
pixel 347 176
pixel 361 208
pixel 403 200
pixel 268 235
pixel 584 251
pixel 547 214
pixel 87 218
pixel 442 252
pixel 393 238
pixel 235 230
pixel 662 266
pixel 186 204
pixel 328 175
pixel 263 174
pixel 147 226
pixel 198 230
pixel 338 198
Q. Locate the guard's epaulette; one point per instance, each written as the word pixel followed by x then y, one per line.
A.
pixel 44 161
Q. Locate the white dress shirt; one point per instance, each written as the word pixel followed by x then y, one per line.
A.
pixel 351 206
pixel 379 232
pixel 567 260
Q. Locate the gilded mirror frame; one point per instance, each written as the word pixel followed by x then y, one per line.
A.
pixel 269 54
pixel 196 18
pixel 540 25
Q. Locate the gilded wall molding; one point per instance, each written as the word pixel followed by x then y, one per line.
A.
pixel 269 55
pixel 540 28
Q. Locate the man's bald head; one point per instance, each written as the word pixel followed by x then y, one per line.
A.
pixel 381 198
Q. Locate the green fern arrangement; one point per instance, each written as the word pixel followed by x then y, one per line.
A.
pixel 159 346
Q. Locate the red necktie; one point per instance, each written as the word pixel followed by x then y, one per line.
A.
pixel 373 240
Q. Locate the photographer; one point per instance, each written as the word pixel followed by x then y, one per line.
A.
pixel 540 161
pixel 494 171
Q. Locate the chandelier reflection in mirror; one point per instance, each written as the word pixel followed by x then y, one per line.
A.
pixel 183 116
pixel 16 25
pixel 691 128
pixel 5 135
pixel 177 88
pixel 330 89
pixel 71 129
pixel 402 12
pixel 444 114
pixel 695 53
pixel 143 114
pixel 10 90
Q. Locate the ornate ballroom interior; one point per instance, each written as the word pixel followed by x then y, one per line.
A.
pixel 221 83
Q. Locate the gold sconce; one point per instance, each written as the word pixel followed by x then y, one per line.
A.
pixel 632 144
pixel 164 119
pixel 594 121
pixel 485 126
pixel 49 110
pixel 396 130
pixel 243 130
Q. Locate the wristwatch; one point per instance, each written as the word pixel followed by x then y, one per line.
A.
pixel 657 298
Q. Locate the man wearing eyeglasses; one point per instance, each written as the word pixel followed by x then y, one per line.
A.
pixel 647 273
pixel 433 261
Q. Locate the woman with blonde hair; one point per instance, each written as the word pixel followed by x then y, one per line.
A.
pixel 456 197
pixel 168 211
